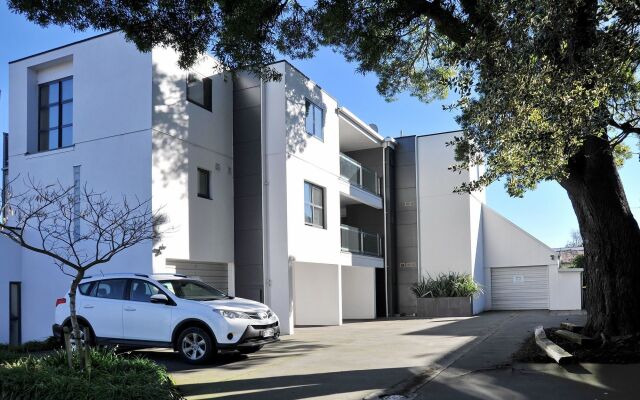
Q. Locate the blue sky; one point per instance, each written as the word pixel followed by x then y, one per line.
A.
pixel 545 212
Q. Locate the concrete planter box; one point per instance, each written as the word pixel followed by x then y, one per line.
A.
pixel 445 307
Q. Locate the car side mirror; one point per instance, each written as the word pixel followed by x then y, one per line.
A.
pixel 159 299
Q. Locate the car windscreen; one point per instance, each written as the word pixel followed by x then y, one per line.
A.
pixel 193 290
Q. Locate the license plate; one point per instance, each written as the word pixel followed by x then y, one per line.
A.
pixel 267 332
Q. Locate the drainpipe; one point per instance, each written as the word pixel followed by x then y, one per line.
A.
pixel 266 270
pixel 388 145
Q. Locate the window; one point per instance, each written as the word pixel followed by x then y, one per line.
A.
pixel 85 288
pixel 203 183
pixel 109 289
pixel 193 290
pixel 313 119
pixel 313 205
pixel 15 313
pixel 55 115
pixel 199 90
pixel 142 291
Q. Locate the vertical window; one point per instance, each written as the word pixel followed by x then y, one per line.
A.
pixel 204 178
pixel 313 118
pixel 55 114
pixel 313 205
pixel 15 313
pixel 199 90
pixel 5 168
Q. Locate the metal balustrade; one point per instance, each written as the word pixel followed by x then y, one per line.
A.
pixel 355 240
pixel 359 175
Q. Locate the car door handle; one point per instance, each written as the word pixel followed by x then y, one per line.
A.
pixel 129 309
pixel 87 306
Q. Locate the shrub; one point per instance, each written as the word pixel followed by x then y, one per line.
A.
pixel 578 261
pixel 452 284
pixel 50 343
pixel 111 377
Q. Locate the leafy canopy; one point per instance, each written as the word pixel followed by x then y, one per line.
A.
pixel 533 78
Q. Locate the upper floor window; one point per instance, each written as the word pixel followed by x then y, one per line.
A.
pixel 199 90
pixel 204 180
pixel 313 117
pixel 55 116
pixel 313 205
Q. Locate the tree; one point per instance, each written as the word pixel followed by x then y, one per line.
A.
pixel 77 227
pixel 576 239
pixel 546 89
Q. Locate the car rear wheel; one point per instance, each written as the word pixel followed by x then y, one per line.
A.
pixel 195 345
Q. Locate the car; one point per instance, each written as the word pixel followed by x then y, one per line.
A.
pixel 167 310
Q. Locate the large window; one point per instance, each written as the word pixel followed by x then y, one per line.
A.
pixel 55 116
pixel 199 90
pixel 204 180
pixel 313 116
pixel 313 205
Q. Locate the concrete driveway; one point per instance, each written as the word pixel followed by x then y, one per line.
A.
pixel 362 359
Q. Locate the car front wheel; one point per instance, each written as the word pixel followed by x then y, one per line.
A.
pixel 195 345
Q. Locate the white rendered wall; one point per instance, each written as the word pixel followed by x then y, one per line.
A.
pixel 358 292
pixel 187 137
pixel 507 245
pixel 318 298
pixel 449 224
pixel 565 285
pixel 111 135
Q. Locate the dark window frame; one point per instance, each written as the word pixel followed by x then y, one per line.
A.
pixel 60 104
pixel 207 88
pixel 206 195
pixel 308 104
pixel 315 206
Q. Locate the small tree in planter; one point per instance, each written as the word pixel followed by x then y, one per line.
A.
pixel 77 227
pixel 448 295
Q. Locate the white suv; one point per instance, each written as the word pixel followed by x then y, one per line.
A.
pixel 174 311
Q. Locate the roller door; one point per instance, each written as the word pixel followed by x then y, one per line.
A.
pixel 520 288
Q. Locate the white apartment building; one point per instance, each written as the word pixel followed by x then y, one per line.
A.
pixel 274 191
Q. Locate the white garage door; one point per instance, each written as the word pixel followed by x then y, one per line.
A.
pixel 214 274
pixel 520 288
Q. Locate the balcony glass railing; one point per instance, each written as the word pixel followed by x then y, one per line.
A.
pixel 355 240
pixel 359 175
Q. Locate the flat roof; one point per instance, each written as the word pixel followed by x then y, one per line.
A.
pixel 62 47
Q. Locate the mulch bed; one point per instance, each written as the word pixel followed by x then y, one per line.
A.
pixel 615 351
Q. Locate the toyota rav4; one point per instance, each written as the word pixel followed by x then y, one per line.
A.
pixel 173 311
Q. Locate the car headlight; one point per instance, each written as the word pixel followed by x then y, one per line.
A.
pixel 233 314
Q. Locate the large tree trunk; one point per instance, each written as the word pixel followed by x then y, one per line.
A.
pixel 611 240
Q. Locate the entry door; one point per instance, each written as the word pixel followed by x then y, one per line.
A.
pixel 143 320
pixel 15 311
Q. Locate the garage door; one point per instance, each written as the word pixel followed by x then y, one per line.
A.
pixel 214 274
pixel 520 288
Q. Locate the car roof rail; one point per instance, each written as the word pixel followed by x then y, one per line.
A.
pixel 142 275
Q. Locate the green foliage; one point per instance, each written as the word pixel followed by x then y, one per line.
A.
pixel 578 261
pixel 112 377
pixel 50 343
pixel 452 284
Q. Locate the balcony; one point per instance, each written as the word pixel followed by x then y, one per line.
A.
pixel 355 240
pixel 358 175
